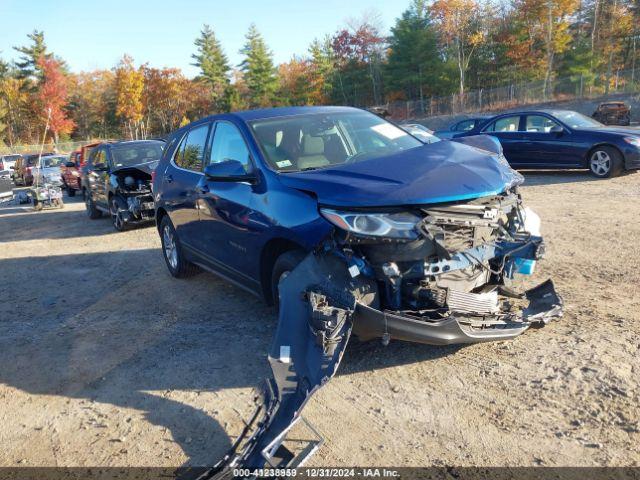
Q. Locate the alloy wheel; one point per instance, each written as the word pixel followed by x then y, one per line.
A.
pixel 170 251
pixel 88 204
pixel 600 163
pixel 116 217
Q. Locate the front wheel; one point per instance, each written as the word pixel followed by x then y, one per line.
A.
pixel 116 207
pixel 284 265
pixel 92 211
pixel 178 266
pixel 605 162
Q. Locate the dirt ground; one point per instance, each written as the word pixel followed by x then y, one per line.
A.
pixel 107 360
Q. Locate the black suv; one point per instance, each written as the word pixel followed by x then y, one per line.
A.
pixel 117 180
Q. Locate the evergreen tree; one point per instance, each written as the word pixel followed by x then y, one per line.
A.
pixel 27 64
pixel 322 70
pixel 214 67
pixel 258 69
pixel 413 61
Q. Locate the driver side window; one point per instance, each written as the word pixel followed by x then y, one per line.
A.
pixel 539 124
pixel 228 144
pixel 100 159
pixel 506 124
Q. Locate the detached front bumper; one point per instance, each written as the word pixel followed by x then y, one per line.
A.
pixel 544 305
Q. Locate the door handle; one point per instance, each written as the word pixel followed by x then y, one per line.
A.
pixel 202 189
pixel 168 178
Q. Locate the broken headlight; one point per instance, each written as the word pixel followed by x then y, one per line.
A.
pixel 635 141
pixel 390 225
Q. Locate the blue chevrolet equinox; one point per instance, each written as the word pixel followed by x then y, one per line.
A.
pixel 436 230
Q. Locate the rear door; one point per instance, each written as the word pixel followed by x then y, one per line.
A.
pixel 180 179
pixel 508 130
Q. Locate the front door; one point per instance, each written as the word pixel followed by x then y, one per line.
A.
pixel 98 177
pixel 225 209
pixel 546 148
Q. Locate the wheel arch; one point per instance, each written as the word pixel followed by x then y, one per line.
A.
pixel 599 145
pixel 270 253
pixel 160 214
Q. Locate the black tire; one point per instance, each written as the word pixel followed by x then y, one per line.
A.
pixel 178 266
pixel 117 203
pixel 605 162
pixel 37 205
pixel 284 264
pixel 92 211
pixel 71 191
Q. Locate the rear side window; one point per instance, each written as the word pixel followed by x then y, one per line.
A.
pixel 465 125
pixel 190 155
pixel 506 124
pixel 228 144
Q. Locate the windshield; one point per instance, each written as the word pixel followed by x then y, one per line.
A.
pixel 49 162
pixel 308 142
pixel 422 133
pixel 576 120
pixel 129 155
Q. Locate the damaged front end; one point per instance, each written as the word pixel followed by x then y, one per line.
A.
pixel 132 188
pixel 438 274
pixel 445 272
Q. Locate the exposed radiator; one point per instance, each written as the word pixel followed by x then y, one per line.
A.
pixel 481 303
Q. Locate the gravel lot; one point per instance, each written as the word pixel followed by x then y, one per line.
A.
pixel 107 360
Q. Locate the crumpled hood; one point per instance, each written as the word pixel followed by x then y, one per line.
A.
pixel 147 167
pixel 440 172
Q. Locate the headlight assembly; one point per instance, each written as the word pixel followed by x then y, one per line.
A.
pixel 390 225
pixel 635 141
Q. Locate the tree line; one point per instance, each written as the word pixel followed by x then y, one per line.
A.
pixel 435 48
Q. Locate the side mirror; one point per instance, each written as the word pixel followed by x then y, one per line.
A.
pixel 70 164
pixel 556 129
pixel 228 170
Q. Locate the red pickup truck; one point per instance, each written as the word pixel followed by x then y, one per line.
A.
pixel 72 170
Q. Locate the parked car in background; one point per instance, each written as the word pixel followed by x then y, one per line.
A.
pixel 421 132
pixel 613 113
pixel 70 172
pixel 47 170
pixel 72 169
pixel 118 181
pixel 563 139
pixel 23 168
pixel 461 127
pixel 7 162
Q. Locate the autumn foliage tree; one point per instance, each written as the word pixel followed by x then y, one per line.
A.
pixel 460 24
pixel 52 96
pixel 129 89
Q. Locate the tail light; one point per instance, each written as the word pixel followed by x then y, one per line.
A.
pixel 153 176
pixel 28 170
pixel 1 165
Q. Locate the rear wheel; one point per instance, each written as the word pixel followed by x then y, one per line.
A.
pixel 92 211
pixel 71 191
pixel 605 162
pixel 172 251
pixel 284 265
